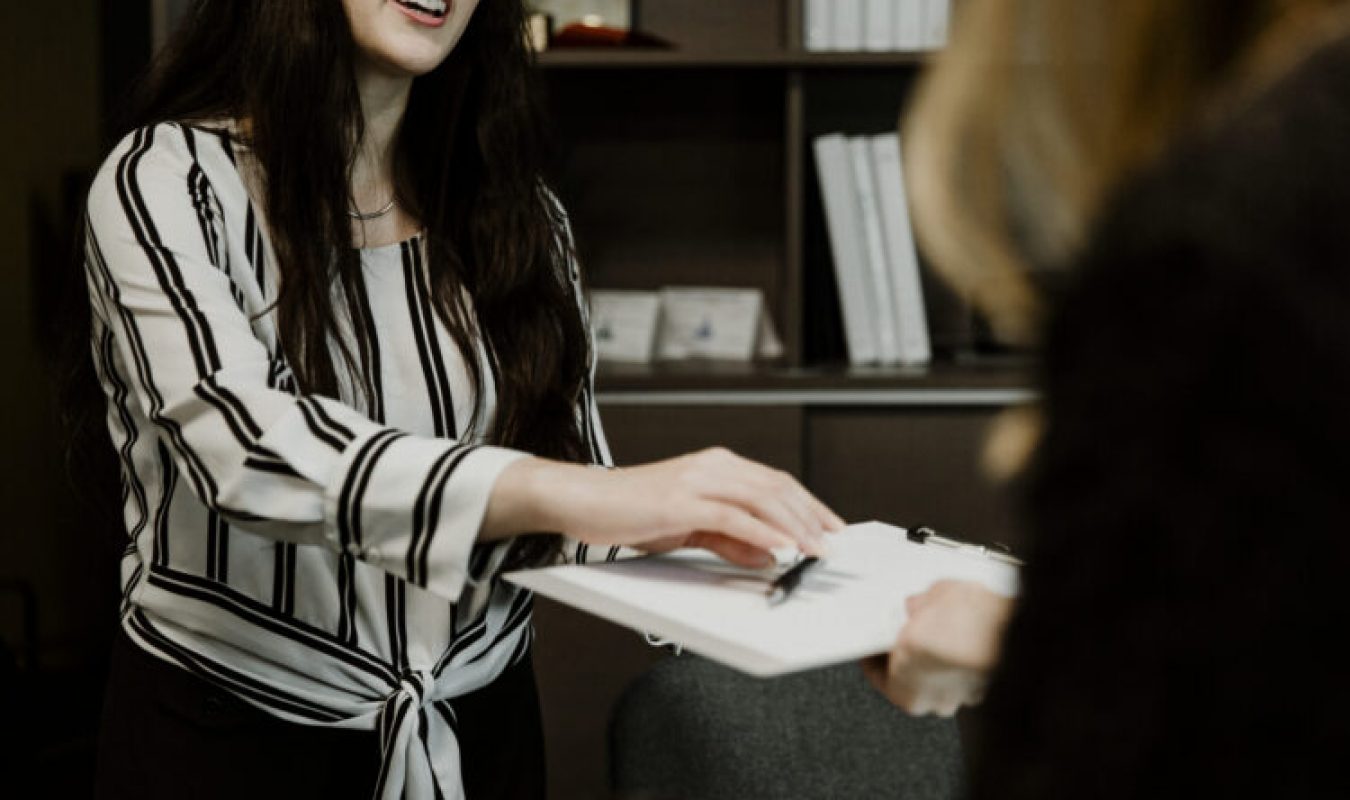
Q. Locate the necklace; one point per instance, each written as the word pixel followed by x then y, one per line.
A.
pixel 357 215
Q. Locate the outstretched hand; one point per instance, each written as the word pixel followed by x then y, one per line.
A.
pixel 713 499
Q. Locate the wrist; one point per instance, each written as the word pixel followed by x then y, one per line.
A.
pixel 991 613
pixel 535 495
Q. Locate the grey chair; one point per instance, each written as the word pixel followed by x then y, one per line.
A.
pixel 689 729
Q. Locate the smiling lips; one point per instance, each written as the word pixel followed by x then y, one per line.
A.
pixel 431 13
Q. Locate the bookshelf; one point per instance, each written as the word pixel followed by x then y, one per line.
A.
pixel 982 383
pixel 692 166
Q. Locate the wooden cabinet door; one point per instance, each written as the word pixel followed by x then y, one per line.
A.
pixel 583 663
pixel 769 434
pixel 908 466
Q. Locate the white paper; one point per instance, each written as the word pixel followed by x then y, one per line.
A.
pixel 850 606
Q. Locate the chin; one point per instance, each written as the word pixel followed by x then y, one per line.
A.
pixel 408 57
pixel 407 37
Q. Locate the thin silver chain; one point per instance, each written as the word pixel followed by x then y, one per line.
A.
pixel 357 215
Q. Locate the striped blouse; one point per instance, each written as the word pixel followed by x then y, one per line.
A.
pixel 315 556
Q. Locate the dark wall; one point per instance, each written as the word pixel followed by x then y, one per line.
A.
pixel 58 581
pixel 50 90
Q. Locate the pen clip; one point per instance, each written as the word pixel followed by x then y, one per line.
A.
pixel 787 581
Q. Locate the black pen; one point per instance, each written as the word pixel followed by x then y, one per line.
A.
pixel 783 585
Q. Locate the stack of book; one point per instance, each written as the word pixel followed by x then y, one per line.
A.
pixel 876 25
pixel 876 261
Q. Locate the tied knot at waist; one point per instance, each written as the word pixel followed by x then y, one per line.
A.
pixel 415 686
pixel 407 732
pixel 414 718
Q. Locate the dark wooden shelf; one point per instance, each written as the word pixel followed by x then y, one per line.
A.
pixel 656 58
pixel 692 165
pixel 1013 375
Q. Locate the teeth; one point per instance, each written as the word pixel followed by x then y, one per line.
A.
pixel 436 8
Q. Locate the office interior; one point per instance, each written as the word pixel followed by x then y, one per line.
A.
pixel 684 164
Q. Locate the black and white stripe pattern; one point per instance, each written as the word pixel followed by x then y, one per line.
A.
pixel 315 557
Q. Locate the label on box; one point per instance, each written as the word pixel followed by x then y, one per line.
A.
pixel 624 324
pixel 719 324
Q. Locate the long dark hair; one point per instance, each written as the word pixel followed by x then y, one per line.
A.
pixel 469 161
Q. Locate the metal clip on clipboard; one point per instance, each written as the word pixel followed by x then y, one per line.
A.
pixel 923 534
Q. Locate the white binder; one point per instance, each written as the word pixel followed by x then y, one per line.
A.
pixel 902 254
pixel 843 220
pixel 849 606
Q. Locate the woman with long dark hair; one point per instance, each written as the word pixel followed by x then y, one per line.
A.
pixel 338 323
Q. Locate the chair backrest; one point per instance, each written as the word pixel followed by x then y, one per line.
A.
pixel 689 729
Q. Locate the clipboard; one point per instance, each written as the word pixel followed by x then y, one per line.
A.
pixel 850 606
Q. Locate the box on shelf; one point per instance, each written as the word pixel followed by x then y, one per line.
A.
pixel 682 323
pixel 623 325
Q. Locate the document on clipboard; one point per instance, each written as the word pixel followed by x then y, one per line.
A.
pixel 849 606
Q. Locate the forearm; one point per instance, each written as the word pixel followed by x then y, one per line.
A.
pixel 536 495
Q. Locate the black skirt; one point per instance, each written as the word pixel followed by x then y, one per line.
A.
pixel 168 734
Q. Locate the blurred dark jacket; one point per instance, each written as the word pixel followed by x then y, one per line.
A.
pixel 1189 505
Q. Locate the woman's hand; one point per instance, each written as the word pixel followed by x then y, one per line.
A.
pixel 946 650
pixel 713 499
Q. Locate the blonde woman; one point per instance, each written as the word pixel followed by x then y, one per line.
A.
pixel 1186 163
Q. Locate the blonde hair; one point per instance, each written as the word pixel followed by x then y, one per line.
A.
pixel 1038 108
